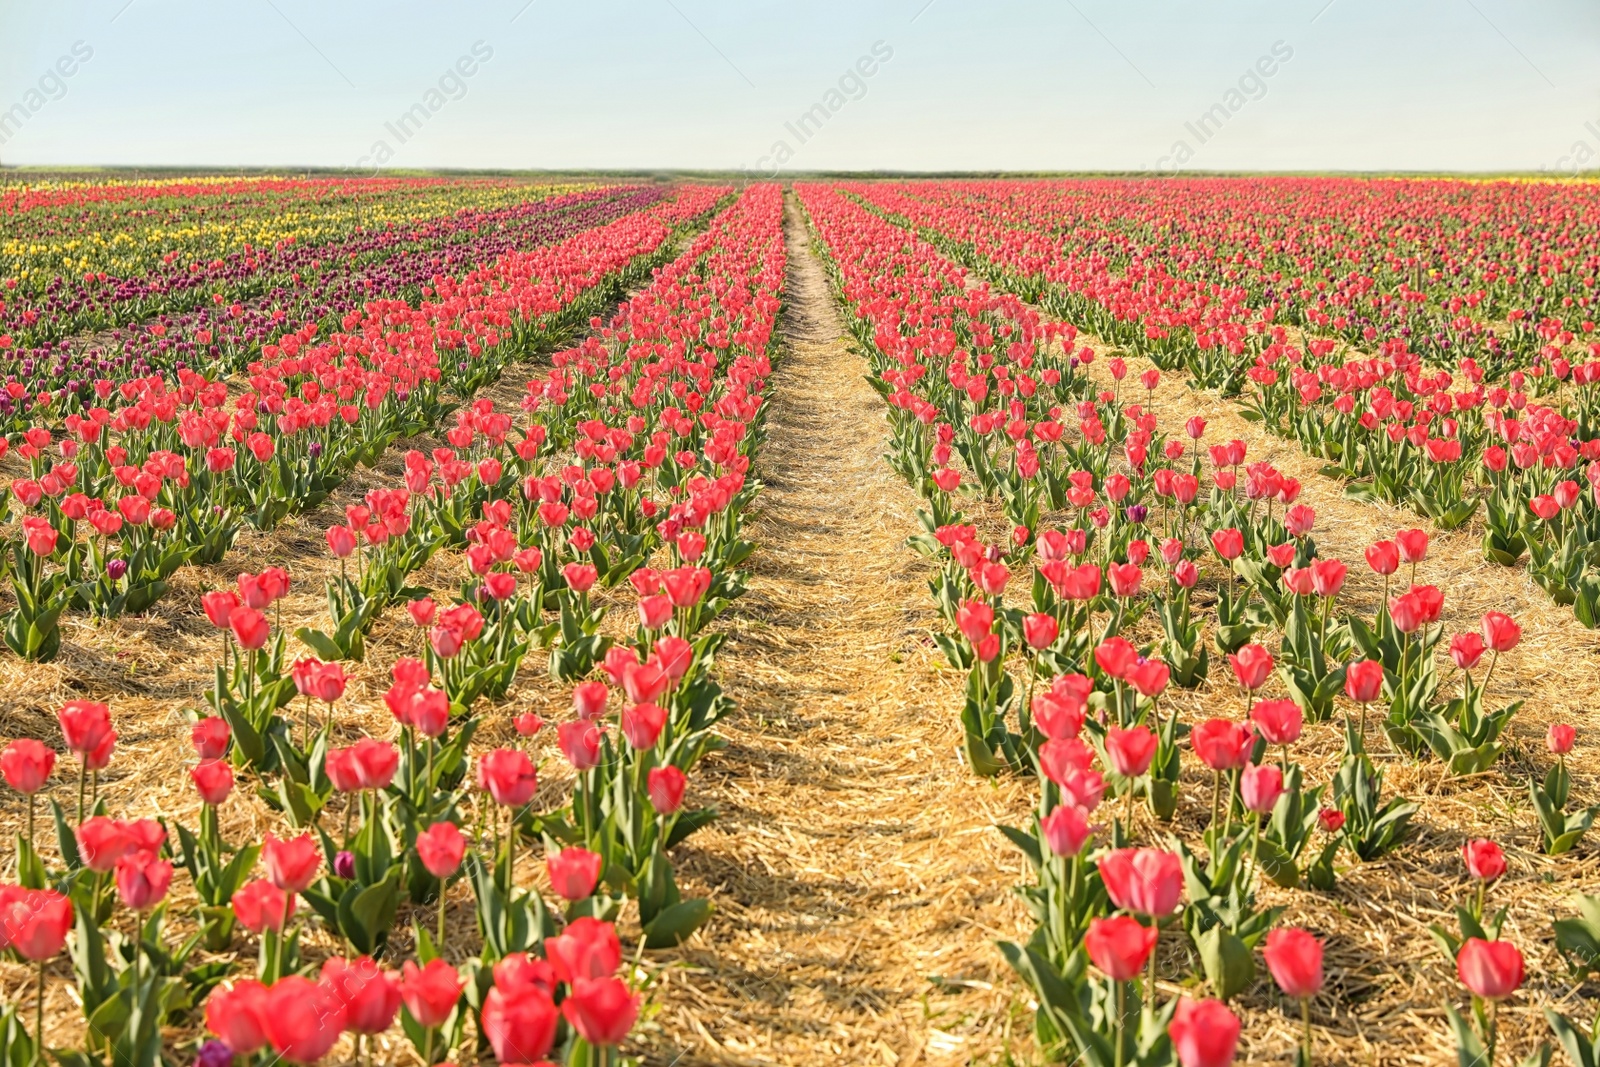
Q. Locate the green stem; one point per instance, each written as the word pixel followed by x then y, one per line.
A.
pixel 1122 1020
pixel 439 944
pixel 1305 1019
pixel 83 781
pixel 38 1021
pixel 1150 985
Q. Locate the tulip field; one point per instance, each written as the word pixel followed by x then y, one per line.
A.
pixel 1130 623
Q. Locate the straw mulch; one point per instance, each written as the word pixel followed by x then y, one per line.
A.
pixel 858 880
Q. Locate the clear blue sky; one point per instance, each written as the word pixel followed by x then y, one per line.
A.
pixel 971 84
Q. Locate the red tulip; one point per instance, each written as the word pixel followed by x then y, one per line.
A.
pixel 367 764
pixel 370 995
pixel 35 922
pixel 341 541
pixel 1466 650
pixel 328 682
pixel 1252 665
pixel 1130 752
pixel 1492 970
pixel 302 1019
pixel 1332 820
pixel 1229 543
pixel 421 610
pixel 1147 881
pixel 235 1014
pixel 1124 579
pixel 1295 959
pixel 102 842
pixel 1059 711
pixel 1484 859
pixel 1327 576
pixel 1383 557
pixel 1363 680
pixel 644 682
pixel 210 737
pixel 249 628
pixel 602 1010
pixel 587 948
pixel 1060 759
pixel 655 611
pixel 507 775
pixel 440 848
pixel 1119 946
pixel 213 780
pixel 527 724
pixel 1066 830
pixel 1150 677
pixel 291 864
pixel 1204 1033
pixel 1116 656
pixel 85 727
pixel 142 880
pixel 1040 630
pixel 26 764
pixel 219 606
pixel 642 724
pixel 1279 721
pixel 1260 787
pixel 518 970
pixel 1412 545
pixel 665 786
pixel 1222 744
pixel 1560 738
pixel 519 1023
pixel 580 743
pixel 260 906
pixel 1501 631
pixel 430 993
pixel 574 872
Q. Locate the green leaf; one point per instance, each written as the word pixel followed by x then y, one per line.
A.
pixel 674 924
pixel 1229 964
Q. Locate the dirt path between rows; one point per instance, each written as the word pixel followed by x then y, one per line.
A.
pixel 858 879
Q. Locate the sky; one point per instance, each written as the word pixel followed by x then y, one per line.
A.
pixel 906 85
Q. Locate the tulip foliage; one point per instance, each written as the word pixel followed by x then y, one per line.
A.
pixel 626 471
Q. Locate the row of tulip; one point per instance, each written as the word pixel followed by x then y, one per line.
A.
pixel 1390 427
pixel 425 810
pixel 1201 271
pixel 125 497
pixel 221 318
pixel 1055 687
pixel 103 254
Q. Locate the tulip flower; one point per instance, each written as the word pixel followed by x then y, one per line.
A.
pixel 1279 722
pixel 1066 830
pixel 440 848
pixel 602 1010
pixel 1260 787
pixel 1486 862
pixel 1491 971
pixel 213 780
pixel 86 729
pixel 26 764
pixel 1295 959
pixel 574 872
pixel 1204 1033
pixel 1252 664
pixel 1363 682
pixel 1224 746
pixel 665 786
pixel 261 906
pixel 587 948
pixel 1119 946
pixel 429 993
pixel 34 922
pixel 291 864
pixel 370 995
pixel 210 737
pixel 1560 738
pixel 519 1022
pixel 302 1019
pixel 235 1014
